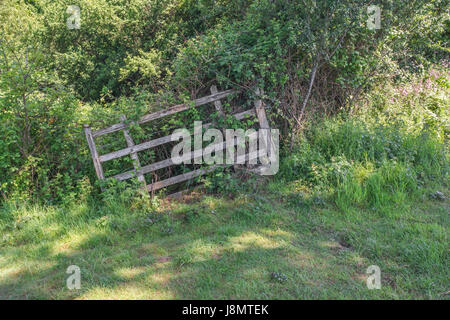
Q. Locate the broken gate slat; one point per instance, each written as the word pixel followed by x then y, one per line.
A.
pixel 260 112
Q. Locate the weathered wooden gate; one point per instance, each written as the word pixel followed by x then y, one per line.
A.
pixel 132 149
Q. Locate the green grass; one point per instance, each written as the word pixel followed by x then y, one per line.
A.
pixel 219 248
pixel 348 197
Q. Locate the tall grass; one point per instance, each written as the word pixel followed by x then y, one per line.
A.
pixel 387 153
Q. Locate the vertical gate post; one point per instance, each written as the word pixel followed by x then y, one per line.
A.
pixel 94 153
pixel 264 125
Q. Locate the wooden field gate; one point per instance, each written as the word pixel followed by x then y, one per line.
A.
pixel 132 149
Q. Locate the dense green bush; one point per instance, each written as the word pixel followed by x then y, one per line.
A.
pixel 41 153
pixel 135 56
pixel 122 44
pixel 286 47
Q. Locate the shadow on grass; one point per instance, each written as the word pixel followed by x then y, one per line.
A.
pixel 225 250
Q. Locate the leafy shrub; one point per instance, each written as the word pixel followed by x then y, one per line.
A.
pixel 41 149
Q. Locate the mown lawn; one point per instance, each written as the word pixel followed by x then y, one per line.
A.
pixel 209 247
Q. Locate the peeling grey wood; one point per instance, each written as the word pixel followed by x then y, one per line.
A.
pixel 180 178
pixel 137 148
pixel 264 124
pixel 179 194
pixel 94 153
pixel 260 112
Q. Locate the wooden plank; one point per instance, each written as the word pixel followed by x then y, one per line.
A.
pixel 192 174
pixel 134 156
pixel 182 107
pixel 260 112
pixel 168 162
pixel 180 194
pixel 245 114
pixel 94 153
pixel 264 124
pixel 180 178
pixel 137 148
pixel 145 169
pixel 159 141
pixel 166 112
